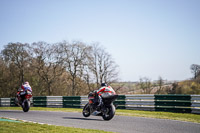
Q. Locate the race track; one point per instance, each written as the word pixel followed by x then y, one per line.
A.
pixel 121 124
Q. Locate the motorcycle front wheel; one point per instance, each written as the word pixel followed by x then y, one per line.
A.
pixel 86 110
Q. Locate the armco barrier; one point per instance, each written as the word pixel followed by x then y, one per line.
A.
pixel 40 101
pixel 171 103
pixel 195 103
pixel 84 101
pixel 12 102
pixel 120 102
pixel 140 102
pixel 5 102
pixel 54 101
pixel 71 101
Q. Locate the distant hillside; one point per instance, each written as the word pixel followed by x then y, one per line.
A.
pixel 168 87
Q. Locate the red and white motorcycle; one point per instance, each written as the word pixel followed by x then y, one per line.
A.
pixel 107 111
pixel 23 99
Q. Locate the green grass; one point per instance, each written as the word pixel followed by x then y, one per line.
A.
pixel 135 113
pixel 25 127
pixel 161 115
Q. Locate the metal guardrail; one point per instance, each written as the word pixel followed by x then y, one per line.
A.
pixel 40 101
pixel 71 101
pixel 54 101
pixel 173 103
pixel 195 103
pixel 4 102
pixel 170 103
pixel 140 102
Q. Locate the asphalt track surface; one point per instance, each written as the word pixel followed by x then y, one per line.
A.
pixel 121 124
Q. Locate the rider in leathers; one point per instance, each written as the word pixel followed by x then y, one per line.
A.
pixel 22 91
pixel 104 91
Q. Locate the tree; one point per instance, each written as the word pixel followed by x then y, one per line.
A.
pixel 2 72
pixel 75 58
pixel 118 86
pixel 145 85
pixel 160 83
pixel 53 69
pixel 3 76
pixel 17 54
pixel 195 69
pixel 15 61
pixel 88 78
pixel 9 82
pixel 48 62
pixel 102 66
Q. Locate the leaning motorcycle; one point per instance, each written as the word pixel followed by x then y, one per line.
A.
pixel 107 110
pixel 24 100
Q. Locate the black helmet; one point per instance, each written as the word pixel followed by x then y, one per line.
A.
pixel 103 84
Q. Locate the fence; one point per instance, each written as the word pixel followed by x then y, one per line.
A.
pixel 169 103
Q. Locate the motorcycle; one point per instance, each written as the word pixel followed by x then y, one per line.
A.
pixel 24 100
pixel 107 110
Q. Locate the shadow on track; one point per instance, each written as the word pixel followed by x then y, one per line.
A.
pixel 11 111
pixel 76 118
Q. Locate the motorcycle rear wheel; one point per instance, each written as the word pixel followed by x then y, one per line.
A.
pixel 26 106
pixel 110 113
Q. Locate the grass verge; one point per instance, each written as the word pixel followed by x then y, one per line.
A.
pixel 161 115
pixel 149 114
pixel 26 127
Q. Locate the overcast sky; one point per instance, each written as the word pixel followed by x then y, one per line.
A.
pixel 146 38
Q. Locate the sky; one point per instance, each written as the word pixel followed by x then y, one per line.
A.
pixel 146 38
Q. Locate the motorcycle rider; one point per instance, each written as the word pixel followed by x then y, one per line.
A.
pixel 22 91
pixel 103 92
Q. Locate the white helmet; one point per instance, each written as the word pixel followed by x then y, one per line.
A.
pixel 26 83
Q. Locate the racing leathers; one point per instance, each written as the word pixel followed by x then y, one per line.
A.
pixel 22 91
pixel 104 92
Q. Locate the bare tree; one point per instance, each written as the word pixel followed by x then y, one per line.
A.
pixel 118 86
pixel 102 66
pixel 48 62
pixel 9 79
pixel 195 69
pixel 76 55
pixel 145 85
pixel 142 85
pixel 160 83
pixel 3 77
pixel 17 53
pixel 80 67
pixel 88 78
pixel 2 72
